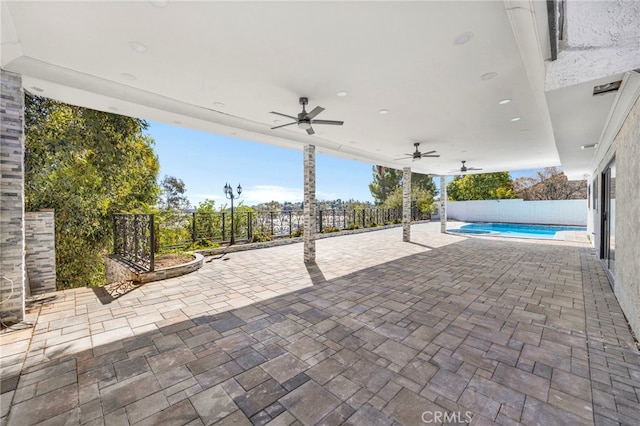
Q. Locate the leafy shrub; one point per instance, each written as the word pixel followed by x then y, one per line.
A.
pixel 329 229
pixel 372 225
pixel 86 165
pixel 297 233
pixel 204 243
pixel 353 226
pixel 260 237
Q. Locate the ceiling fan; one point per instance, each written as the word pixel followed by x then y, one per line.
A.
pixel 418 155
pixel 464 168
pixel 305 119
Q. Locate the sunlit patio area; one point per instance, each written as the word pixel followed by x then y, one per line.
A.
pixel 446 329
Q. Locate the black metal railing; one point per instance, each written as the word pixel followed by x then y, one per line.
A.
pixel 138 236
pixel 134 239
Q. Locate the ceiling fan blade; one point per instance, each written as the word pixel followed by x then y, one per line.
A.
pixel 284 115
pixel 403 158
pixel 473 168
pixel 317 110
pixel 310 130
pixel 334 122
pixel 427 153
pixel 430 155
pixel 283 125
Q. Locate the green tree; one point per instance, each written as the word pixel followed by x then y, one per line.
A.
pixel 550 184
pixel 86 165
pixel 420 198
pixel 386 181
pixel 172 195
pixel 483 186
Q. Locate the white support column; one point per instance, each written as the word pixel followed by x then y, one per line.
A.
pixel 309 154
pixel 406 204
pixel 443 205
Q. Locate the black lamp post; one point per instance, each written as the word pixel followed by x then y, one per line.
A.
pixel 228 192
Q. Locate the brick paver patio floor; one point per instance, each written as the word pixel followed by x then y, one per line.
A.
pixel 378 332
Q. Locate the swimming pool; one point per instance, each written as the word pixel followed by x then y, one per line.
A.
pixel 517 230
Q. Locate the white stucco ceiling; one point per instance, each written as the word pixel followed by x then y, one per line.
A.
pixel 223 66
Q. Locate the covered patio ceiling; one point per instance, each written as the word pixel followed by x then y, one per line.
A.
pixel 440 69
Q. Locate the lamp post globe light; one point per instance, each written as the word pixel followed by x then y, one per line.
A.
pixel 228 192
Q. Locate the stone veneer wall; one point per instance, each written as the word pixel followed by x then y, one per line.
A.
pixel 11 197
pixel 40 244
pixel 309 236
pixel 627 220
pixel 443 205
pixel 406 204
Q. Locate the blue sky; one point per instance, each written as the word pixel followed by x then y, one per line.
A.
pixel 206 161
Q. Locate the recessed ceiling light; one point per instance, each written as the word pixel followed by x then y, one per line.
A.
pixel 489 75
pixel 127 76
pixel 589 146
pixel 504 101
pixel 383 111
pixel 463 38
pixel 138 47
pixel 218 104
pixel 37 89
pixel 341 94
pixel 515 119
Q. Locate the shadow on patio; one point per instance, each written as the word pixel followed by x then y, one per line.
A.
pixel 500 331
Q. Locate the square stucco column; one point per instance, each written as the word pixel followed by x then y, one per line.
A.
pixel 12 245
pixel 443 205
pixel 309 153
pixel 406 204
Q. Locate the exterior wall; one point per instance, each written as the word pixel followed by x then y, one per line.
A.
pixel 552 212
pixel 40 257
pixel 600 39
pixel 12 271
pixel 627 217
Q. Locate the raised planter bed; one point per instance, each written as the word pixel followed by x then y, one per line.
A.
pixel 120 271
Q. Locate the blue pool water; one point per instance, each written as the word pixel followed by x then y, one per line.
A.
pixel 518 230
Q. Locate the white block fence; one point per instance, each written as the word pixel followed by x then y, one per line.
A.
pixel 548 212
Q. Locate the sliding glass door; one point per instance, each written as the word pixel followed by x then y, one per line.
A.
pixel 608 228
